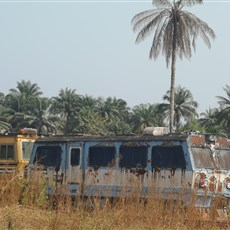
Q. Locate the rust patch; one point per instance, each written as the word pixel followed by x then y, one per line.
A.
pixel 156 170
pixel 219 186
pixel 197 140
pixel 203 175
pixel 172 171
pixel 138 171
pixel 212 184
pixel 200 181
pixel 222 142
pixel 95 168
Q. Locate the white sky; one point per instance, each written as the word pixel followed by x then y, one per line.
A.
pixel 90 46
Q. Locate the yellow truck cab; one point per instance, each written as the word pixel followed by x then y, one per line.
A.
pixel 15 150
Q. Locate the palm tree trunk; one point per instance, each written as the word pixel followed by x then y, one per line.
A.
pixel 172 93
pixel 173 76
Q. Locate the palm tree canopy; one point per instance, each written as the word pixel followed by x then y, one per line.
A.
pixel 184 107
pixel 113 109
pixel 21 98
pixel 225 101
pixel 208 118
pixel 211 122
pixel 66 103
pixel 169 21
pixel 145 115
pixel 224 114
pixel 27 89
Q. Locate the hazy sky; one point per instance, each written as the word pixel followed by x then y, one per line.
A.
pixel 90 46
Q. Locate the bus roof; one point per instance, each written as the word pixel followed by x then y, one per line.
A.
pixel 91 138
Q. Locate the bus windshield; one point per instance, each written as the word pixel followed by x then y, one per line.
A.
pixel 48 156
pixel 202 157
pixel 224 158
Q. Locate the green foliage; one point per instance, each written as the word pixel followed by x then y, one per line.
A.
pixel 70 112
pixel 119 128
pixel 145 115
pixel 224 112
pixel 192 126
pixel 34 192
pixel 184 107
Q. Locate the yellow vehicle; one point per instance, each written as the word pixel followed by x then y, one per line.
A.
pixel 15 150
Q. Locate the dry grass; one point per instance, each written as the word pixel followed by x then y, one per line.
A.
pixel 24 205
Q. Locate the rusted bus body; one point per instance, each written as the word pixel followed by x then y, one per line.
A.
pixel 167 166
pixel 211 156
pixel 15 151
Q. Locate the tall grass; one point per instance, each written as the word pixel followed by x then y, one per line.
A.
pixel 24 205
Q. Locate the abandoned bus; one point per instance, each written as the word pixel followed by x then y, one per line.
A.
pixel 15 150
pixel 152 164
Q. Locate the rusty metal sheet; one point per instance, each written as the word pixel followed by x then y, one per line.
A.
pixel 222 143
pixel 198 140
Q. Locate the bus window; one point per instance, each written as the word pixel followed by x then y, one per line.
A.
pixel 75 157
pixel 101 156
pixel 27 147
pixel 202 157
pixel 168 157
pixel 133 157
pixel 48 156
pixel 6 152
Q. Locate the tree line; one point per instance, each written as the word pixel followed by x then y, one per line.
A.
pixel 72 113
pixel 175 31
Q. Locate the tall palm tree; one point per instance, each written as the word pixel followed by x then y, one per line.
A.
pixel 175 32
pixel 184 106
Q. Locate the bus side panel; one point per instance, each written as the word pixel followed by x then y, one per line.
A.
pixel 101 173
pixel 170 171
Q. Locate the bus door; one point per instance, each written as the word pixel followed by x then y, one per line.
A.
pixel 74 171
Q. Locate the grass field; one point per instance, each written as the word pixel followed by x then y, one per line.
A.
pixel 24 205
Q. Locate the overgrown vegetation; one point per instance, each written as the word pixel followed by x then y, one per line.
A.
pixel 70 112
pixel 24 205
